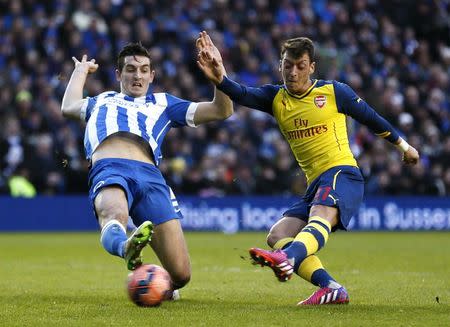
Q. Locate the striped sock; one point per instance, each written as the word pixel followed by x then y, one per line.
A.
pixel 283 243
pixel 311 270
pixel 113 238
pixel 310 240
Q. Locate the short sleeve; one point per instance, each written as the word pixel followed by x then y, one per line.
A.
pixel 190 114
pixel 180 112
pixel 87 107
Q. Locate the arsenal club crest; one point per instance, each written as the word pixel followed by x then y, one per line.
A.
pixel 320 101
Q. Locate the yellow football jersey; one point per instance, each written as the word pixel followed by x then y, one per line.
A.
pixel 313 123
pixel 315 130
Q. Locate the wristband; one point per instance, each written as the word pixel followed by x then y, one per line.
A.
pixel 403 145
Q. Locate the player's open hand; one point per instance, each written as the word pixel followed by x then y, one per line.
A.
pixel 86 66
pixel 204 43
pixel 411 156
pixel 209 59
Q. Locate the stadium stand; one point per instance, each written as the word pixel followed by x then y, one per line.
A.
pixel 395 54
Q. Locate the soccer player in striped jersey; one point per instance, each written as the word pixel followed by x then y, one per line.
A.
pixel 123 137
pixel 311 115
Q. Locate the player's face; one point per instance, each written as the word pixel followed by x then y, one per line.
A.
pixel 296 72
pixel 136 76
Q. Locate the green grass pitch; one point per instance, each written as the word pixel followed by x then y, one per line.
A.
pixel 66 279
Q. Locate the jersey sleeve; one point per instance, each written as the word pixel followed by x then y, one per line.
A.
pixel 87 107
pixel 259 98
pixel 180 112
pixel 349 103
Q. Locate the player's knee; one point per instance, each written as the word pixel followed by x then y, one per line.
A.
pixel 181 278
pixel 105 218
pixel 108 208
pixel 272 238
pixel 108 213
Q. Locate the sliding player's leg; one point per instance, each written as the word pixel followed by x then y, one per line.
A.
pixel 158 202
pixel 111 198
pixel 111 207
pixel 170 246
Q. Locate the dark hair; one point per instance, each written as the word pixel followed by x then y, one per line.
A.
pixel 131 49
pixel 296 47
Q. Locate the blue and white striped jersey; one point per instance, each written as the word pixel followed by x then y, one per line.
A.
pixel 149 117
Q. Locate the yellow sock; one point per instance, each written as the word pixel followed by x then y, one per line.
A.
pixel 311 270
pixel 310 240
pixel 314 235
pixel 281 243
pixel 308 267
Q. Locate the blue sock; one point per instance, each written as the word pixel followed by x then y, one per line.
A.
pixel 113 238
pixel 321 278
pixel 297 251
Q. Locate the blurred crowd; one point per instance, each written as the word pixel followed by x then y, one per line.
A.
pixel 394 53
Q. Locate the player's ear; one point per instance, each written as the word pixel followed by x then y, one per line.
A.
pixel 152 76
pixel 279 65
pixel 118 75
pixel 312 68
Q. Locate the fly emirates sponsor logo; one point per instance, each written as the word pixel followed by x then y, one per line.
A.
pixel 302 130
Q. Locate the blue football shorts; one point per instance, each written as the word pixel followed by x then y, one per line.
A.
pixel 148 195
pixel 341 187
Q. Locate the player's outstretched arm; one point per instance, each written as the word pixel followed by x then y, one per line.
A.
pixel 210 63
pixel 351 104
pixel 72 101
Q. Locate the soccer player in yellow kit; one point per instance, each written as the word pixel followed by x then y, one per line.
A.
pixel 311 115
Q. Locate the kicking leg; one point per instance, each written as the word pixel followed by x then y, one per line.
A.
pixel 284 231
pixel 280 236
pixel 314 235
pixel 308 266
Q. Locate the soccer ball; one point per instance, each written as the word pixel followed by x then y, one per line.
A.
pixel 149 285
